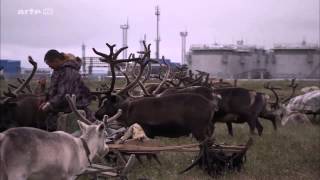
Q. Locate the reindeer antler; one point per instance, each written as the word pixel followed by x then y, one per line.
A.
pixel 165 78
pixel 268 86
pixel 204 78
pixel 107 120
pixel 111 59
pixel 293 86
pixel 73 107
pixel 143 62
pixel 72 104
pixel 26 82
pixel 27 86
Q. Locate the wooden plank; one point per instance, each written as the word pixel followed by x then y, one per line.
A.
pixel 125 147
pixel 108 174
pixel 230 146
pixel 150 147
pixel 144 152
pixel 98 172
pixel 93 170
pixel 103 167
pixel 140 149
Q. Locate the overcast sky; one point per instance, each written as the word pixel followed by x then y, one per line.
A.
pixel 65 24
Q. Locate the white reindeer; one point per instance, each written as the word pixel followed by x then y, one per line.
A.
pixel 299 106
pixel 33 153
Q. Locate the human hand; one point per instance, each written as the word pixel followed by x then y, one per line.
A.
pixel 45 106
pixel 120 141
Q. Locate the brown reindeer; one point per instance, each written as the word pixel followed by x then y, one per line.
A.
pixel 41 86
pixel 22 109
pixel 169 116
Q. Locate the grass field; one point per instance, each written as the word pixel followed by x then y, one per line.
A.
pixel 292 152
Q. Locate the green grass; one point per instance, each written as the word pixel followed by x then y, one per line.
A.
pixel 292 152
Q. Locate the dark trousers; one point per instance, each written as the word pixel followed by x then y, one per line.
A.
pixel 89 114
pixel 51 121
pixel 52 118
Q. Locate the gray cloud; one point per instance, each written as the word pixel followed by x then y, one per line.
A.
pixel 95 22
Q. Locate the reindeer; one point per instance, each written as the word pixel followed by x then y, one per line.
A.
pixel 293 109
pixel 259 108
pixel 41 86
pixel 22 109
pixel 158 116
pixel 235 105
pixel 50 155
pixel 309 89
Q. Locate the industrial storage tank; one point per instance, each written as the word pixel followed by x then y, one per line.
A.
pixel 241 61
pixel 229 61
pixel 302 62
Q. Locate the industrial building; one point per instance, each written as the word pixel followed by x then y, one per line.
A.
pixel 241 61
pixel 10 67
pixel 302 62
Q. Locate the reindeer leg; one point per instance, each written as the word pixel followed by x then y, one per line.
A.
pixel 230 130
pixel 274 123
pixel 139 158
pixel 252 126
pixel 149 157
pixel 155 157
pixel 205 158
pixel 259 127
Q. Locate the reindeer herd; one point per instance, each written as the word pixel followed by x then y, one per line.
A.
pixel 181 103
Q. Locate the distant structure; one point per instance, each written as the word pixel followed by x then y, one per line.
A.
pixel 141 42
pixel 1 73
pixel 83 48
pixel 124 28
pixel 93 62
pixel 242 61
pixel 183 46
pixel 10 67
pixel 90 62
pixel 156 69
pixel 40 73
pixel 300 61
pixel 157 13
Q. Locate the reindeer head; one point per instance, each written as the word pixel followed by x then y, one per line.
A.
pixel 95 137
pixel 109 106
pixel 93 134
pixel 278 108
pixel 112 99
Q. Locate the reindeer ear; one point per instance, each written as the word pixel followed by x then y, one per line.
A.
pixel 101 127
pixel 83 126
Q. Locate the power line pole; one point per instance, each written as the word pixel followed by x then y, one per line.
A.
pixel 124 28
pixel 157 13
pixel 83 47
pixel 183 46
